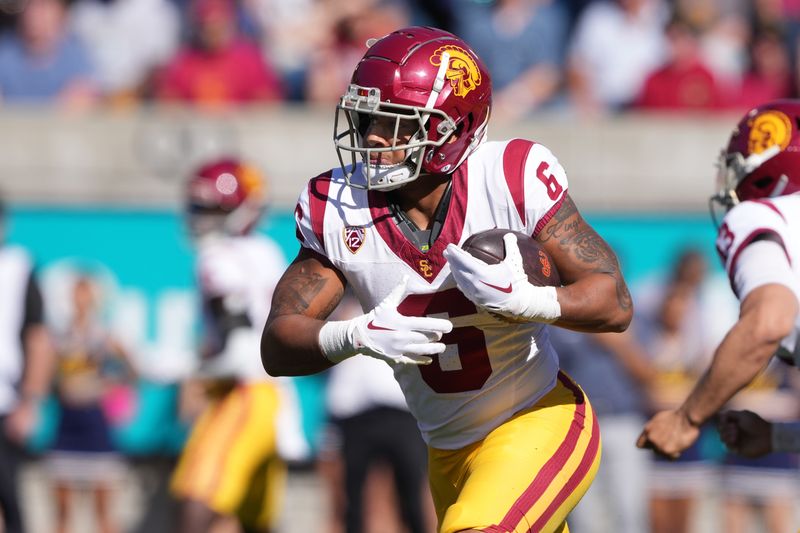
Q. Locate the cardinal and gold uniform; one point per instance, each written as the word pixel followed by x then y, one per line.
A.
pixel 513 443
pixel 233 461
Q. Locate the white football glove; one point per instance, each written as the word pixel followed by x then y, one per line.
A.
pixel 503 288
pixel 385 334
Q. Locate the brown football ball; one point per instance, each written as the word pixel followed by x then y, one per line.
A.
pixel 488 246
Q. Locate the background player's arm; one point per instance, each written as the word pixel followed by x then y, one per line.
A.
pixel 308 292
pixel 594 296
pixel 767 316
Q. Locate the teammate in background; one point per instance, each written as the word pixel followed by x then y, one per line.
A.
pixel 759 243
pixel 232 468
pixel 417 178
pixel 27 362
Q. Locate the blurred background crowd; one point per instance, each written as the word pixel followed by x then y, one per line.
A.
pixel 579 56
pixel 107 106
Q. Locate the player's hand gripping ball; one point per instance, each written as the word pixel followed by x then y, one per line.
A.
pixel 507 274
pixel 488 246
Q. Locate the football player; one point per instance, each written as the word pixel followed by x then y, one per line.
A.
pixel 759 244
pixel 513 442
pixel 232 466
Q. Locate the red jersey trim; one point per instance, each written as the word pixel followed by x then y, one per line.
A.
pixel 550 213
pixel 431 262
pixel 772 206
pixel 514 158
pixel 318 189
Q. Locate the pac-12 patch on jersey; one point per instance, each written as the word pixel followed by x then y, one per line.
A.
pixel 354 237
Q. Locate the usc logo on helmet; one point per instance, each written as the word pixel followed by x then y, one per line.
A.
pixel 462 70
pixel 767 129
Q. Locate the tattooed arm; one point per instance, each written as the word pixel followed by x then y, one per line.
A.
pixel 594 296
pixel 308 292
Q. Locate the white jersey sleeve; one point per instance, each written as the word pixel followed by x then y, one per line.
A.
pixel 745 224
pixel 309 214
pixel 546 185
pixel 759 243
pixel 534 180
pixel 762 262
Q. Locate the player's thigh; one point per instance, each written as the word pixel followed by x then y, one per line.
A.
pixel 527 474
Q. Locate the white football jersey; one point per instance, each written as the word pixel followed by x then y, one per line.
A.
pixel 243 271
pixel 780 218
pixel 490 369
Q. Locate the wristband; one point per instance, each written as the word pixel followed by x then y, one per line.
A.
pixel 543 304
pixel 786 437
pixel 334 341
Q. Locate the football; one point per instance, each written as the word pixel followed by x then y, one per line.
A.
pixel 488 246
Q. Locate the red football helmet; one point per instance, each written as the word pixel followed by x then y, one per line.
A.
pixel 762 159
pixel 225 196
pixel 426 80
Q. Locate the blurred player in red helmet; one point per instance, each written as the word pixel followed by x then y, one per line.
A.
pixel 232 467
pixel 225 197
pixel 513 442
pixel 759 244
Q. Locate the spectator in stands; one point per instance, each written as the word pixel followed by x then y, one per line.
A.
pixel 219 66
pixel 671 326
pixel 723 35
pixel 353 23
pixel 112 31
pixel 290 32
pixel 43 62
pixel 684 82
pixel 675 486
pixel 26 367
pixel 615 45
pixel 615 371
pixel 769 76
pixel 522 43
pixel 84 455
pixel 369 429
pixel 764 487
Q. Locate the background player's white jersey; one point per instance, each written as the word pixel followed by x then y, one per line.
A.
pixel 242 272
pixel 490 369
pixel 780 218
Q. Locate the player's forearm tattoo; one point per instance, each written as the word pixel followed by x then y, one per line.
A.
pixel 574 235
pixel 296 293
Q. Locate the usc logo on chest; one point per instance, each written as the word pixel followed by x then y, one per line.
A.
pixel 425 268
